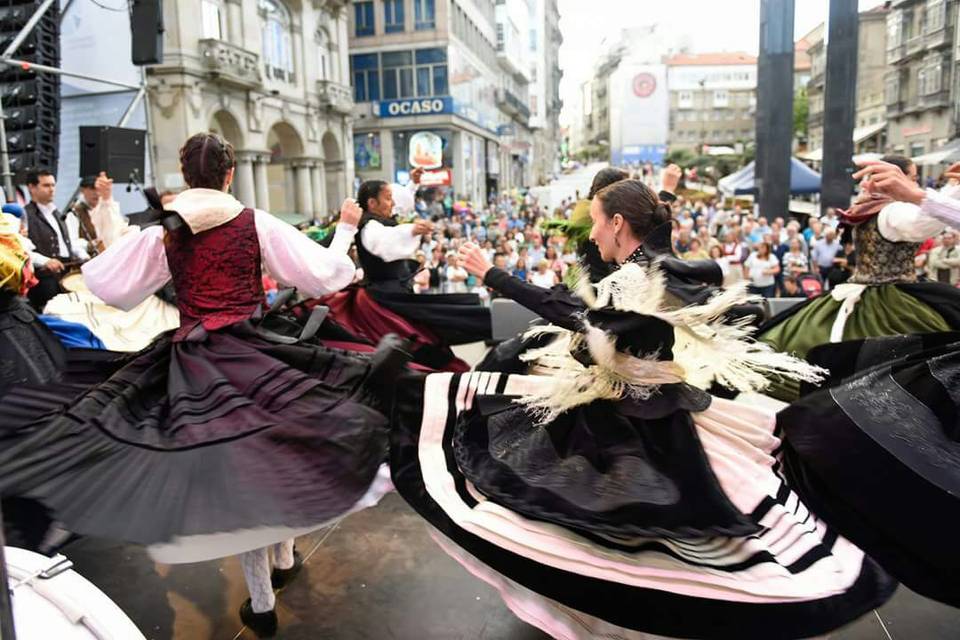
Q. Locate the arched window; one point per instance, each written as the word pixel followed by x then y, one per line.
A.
pixel 277 47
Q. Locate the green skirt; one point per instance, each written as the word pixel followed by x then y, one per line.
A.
pixel 883 310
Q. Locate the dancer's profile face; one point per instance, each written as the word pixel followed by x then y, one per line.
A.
pixel 603 232
pixel 383 204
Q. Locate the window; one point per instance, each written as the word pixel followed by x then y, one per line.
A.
pixel 894 29
pixel 936 15
pixel 366 77
pixel 685 100
pixel 892 91
pixel 431 66
pixel 397 69
pixel 277 50
pixel 930 78
pixel 363 18
pixel 393 16
pixel 211 16
pixel 324 55
pixel 533 40
pixel 917 149
pixel 721 99
pixel 424 15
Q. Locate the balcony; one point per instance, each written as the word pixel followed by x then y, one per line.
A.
pixel 896 54
pixel 513 106
pixel 914 46
pixel 335 96
pixel 938 100
pixel 896 108
pixel 230 64
pixel 937 38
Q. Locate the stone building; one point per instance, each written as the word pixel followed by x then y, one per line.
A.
pixel 922 80
pixel 271 76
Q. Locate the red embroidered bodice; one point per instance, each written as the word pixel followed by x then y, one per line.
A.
pixel 216 274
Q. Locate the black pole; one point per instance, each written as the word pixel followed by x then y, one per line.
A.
pixel 839 103
pixel 7 632
pixel 775 107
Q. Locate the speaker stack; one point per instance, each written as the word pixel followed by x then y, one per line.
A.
pixel 31 100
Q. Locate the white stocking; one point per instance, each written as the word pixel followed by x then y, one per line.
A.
pixel 283 554
pixel 256 571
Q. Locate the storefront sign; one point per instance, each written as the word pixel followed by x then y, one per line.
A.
pixel 426 150
pixel 438 178
pixel 413 107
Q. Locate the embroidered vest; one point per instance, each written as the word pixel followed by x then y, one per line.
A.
pixel 216 274
pixel 880 261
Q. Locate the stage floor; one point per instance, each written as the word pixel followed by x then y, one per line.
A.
pixel 375 575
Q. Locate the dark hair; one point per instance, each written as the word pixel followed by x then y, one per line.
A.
pixel 88 182
pixel 605 178
pixel 638 205
pixel 901 161
pixel 33 178
pixel 205 160
pixel 369 189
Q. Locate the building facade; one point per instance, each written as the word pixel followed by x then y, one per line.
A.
pixel 544 91
pixel 713 99
pixel 271 76
pixel 458 69
pixel 870 122
pixel 921 89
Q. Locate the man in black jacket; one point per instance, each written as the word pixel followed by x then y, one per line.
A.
pixel 55 246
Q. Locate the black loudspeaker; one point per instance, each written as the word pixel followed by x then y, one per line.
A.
pixel 31 99
pixel 119 152
pixel 146 28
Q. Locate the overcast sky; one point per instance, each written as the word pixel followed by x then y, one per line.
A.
pixel 712 25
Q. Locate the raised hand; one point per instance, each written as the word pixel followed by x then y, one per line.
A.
pixel 887 179
pixel 104 186
pixel 350 212
pixel 422 227
pixel 671 178
pixel 474 260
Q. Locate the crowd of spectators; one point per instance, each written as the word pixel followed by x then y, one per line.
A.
pixel 791 255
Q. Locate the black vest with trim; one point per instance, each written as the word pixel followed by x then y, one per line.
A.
pixel 43 236
pixel 396 274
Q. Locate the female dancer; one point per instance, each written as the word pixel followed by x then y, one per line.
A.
pixel 882 297
pixel 878 453
pixel 216 439
pixel 612 498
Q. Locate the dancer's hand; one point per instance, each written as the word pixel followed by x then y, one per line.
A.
pixel 671 178
pixel 474 260
pixel 54 265
pixel 953 173
pixel 422 227
pixel 889 180
pixel 350 212
pixel 416 174
pixel 103 186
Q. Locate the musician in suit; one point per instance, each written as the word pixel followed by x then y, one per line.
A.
pixel 55 238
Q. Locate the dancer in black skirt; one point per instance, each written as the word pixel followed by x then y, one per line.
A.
pixel 219 438
pixel 877 452
pixel 612 497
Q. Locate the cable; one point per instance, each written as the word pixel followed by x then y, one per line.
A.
pixel 118 10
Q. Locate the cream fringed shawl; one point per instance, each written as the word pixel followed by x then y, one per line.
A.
pixel 707 348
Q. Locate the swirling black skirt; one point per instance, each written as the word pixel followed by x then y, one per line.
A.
pixel 877 456
pixel 230 442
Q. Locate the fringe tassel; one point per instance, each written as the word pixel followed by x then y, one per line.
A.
pixel 706 349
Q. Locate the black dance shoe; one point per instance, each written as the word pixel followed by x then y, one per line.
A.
pixel 279 578
pixel 263 624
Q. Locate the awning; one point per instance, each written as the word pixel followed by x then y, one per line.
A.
pixel 803 180
pixel 865 133
pixel 817 156
pixel 860 134
pixel 949 152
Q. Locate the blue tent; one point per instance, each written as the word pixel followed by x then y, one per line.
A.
pixel 803 180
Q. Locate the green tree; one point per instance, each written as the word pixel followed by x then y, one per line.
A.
pixel 801 110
